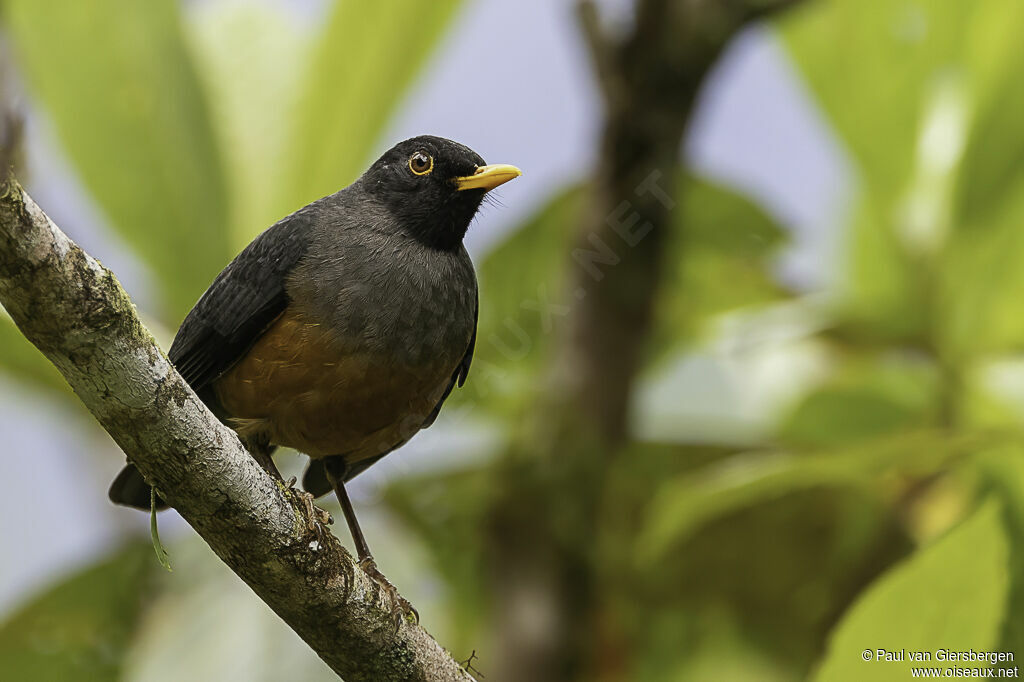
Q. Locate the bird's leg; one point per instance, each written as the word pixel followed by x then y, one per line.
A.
pixel 335 469
pixel 316 518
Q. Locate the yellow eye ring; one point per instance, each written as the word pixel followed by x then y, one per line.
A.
pixel 421 163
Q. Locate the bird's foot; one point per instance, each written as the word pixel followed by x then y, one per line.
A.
pixel 316 518
pixel 400 606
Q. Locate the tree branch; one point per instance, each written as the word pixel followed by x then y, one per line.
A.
pixel 599 46
pixel 75 311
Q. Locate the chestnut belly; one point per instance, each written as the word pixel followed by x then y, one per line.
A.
pixel 295 388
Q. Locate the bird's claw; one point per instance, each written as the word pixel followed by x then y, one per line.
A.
pixel 400 606
pixel 316 518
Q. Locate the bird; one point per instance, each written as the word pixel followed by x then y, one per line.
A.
pixel 341 330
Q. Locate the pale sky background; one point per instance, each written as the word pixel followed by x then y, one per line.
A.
pixel 756 130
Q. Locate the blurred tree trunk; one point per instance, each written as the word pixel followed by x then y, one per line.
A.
pixel 544 558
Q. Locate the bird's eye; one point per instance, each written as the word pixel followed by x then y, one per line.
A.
pixel 420 163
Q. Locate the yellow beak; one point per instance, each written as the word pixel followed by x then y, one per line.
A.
pixel 488 177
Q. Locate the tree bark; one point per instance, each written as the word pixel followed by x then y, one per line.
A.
pixel 75 312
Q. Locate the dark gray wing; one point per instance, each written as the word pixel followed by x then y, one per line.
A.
pixel 467 359
pixel 244 300
pixel 461 372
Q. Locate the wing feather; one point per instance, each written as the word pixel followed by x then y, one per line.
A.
pixel 241 304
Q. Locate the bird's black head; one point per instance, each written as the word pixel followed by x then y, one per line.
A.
pixel 433 187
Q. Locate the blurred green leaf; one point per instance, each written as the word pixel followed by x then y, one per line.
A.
pixel 882 298
pixel 24 361
pixel 719 258
pixel 949 595
pixel 872 64
pixel 928 106
pixel 992 169
pixel 867 398
pixel 248 55
pixel 1003 470
pixel 118 84
pixel 835 415
pixel 992 166
pixel 683 504
pixel 983 284
pixel 982 281
pixel 367 55
pixel 80 628
pixel 806 554
pixel 723 654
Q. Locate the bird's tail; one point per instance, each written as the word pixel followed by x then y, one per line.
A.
pixel 131 490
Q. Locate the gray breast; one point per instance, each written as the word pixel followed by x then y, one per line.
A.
pixel 388 294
